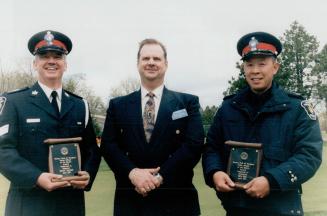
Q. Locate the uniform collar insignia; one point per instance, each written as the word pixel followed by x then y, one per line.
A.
pixel 49 38
pixel 253 44
pixel 34 93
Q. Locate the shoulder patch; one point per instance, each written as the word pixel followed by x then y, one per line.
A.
pixel 308 107
pixel 72 94
pixel 18 90
pixel 2 103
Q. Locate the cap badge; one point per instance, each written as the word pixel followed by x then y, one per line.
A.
pixel 49 38
pixel 253 44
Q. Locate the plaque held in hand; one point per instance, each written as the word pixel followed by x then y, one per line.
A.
pixel 65 158
pixel 244 162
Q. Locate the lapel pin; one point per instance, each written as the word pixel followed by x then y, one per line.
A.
pixel 67 95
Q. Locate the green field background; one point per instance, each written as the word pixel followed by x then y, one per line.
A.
pixel 99 201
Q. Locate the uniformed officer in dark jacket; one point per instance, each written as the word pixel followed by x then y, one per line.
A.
pixel 31 115
pixel 284 123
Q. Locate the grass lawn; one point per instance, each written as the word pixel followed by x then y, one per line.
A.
pixel 99 201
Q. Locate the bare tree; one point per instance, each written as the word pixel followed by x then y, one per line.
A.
pixel 76 84
pixel 125 87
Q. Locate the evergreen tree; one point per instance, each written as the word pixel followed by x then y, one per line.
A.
pixel 297 59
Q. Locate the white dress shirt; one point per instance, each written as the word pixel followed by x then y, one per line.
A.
pixel 48 92
pixel 157 98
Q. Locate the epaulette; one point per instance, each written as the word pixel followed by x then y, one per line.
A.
pixel 72 94
pixel 17 90
pixel 294 95
pixel 229 96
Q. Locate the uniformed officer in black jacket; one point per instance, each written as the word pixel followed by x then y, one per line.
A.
pixel 284 123
pixel 31 115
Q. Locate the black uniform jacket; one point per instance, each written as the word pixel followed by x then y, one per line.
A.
pixel 289 131
pixel 27 119
pixel 175 146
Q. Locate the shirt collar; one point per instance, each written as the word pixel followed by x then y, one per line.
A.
pixel 48 90
pixel 157 91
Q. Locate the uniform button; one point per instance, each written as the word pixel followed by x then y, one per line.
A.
pixel 289 171
pixel 284 105
pixel 295 178
pixel 298 211
pixel 121 130
pixel 169 156
pixel 127 153
pixel 292 211
pixel 292 180
pixel 178 131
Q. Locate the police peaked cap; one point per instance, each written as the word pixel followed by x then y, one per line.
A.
pixel 49 41
pixel 258 43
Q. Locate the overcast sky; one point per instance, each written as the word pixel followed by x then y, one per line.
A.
pixel 200 36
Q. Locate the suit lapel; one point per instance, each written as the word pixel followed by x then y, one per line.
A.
pixel 135 106
pixel 164 114
pixel 39 99
pixel 66 104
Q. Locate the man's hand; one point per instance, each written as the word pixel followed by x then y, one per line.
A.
pixel 257 187
pixel 222 182
pixel 82 182
pixel 144 180
pixel 45 181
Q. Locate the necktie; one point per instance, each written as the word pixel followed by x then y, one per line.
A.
pixel 54 103
pixel 148 116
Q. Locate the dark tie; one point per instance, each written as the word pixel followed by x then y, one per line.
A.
pixel 148 116
pixel 54 103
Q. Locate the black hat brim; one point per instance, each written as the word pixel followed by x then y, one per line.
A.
pixel 44 50
pixel 257 54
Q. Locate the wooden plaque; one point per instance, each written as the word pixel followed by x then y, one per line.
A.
pixel 65 158
pixel 244 162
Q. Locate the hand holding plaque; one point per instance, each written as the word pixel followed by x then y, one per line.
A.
pixel 244 162
pixel 65 158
